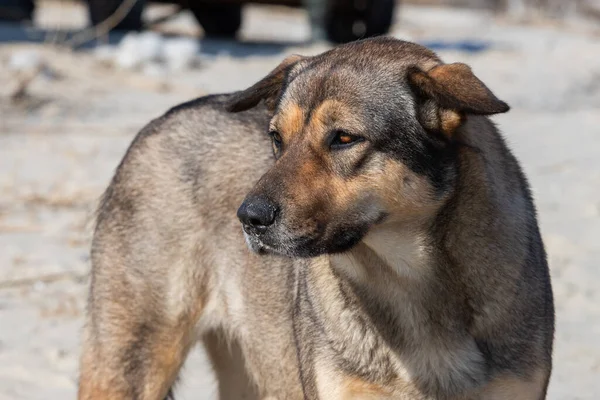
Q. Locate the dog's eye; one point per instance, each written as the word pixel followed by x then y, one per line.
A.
pixel 276 137
pixel 343 139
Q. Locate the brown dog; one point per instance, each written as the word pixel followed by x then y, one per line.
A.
pixel 396 252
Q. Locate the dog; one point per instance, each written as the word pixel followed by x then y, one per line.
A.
pixel 385 244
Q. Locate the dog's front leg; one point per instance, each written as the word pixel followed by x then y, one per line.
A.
pixel 135 339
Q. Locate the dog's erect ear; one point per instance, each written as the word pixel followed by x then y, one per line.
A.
pixel 266 89
pixel 449 92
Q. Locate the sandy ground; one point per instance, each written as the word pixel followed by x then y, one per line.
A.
pixel 59 148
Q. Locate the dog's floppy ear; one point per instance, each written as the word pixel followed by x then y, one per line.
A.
pixel 449 92
pixel 266 89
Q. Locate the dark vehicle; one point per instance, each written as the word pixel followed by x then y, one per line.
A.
pixel 16 10
pixel 344 20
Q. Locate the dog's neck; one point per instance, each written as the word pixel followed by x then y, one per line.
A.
pixel 390 269
pixel 385 252
pixel 391 279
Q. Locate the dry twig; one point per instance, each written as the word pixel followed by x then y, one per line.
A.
pixel 102 28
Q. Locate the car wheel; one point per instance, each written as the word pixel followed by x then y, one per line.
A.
pixel 364 19
pixel 218 20
pixel 100 10
pixel 16 10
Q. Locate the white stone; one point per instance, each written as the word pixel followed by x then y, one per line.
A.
pixel 181 53
pixel 105 53
pixel 150 46
pixel 127 54
pixel 25 60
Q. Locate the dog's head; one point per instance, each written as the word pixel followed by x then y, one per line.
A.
pixel 362 136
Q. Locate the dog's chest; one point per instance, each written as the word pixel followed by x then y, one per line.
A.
pixel 363 349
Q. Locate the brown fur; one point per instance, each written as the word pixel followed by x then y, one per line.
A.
pixel 402 261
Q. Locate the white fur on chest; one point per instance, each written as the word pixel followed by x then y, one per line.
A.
pixel 395 266
pixel 403 253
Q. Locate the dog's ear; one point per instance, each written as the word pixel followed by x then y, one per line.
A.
pixel 266 89
pixel 450 91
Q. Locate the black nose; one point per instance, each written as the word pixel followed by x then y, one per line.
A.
pixel 257 213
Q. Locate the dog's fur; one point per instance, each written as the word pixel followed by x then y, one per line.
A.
pixel 403 259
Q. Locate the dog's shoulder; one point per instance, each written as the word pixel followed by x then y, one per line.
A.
pixel 190 148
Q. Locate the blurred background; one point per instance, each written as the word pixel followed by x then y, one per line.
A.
pixel 78 79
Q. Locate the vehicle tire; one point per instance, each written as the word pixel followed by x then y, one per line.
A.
pixel 16 10
pixel 218 20
pixel 100 10
pixel 344 24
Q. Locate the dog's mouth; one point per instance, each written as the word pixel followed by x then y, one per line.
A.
pixel 282 243
pixel 256 245
pixel 285 244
